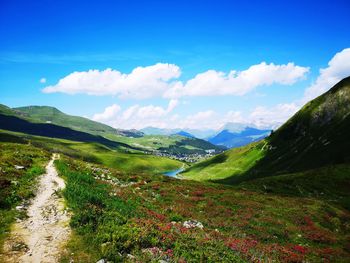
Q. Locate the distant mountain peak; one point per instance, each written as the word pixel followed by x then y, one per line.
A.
pixel 184 134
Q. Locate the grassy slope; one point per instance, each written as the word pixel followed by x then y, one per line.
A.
pixel 330 183
pixel 125 161
pixel 227 164
pixel 145 218
pixel 45 113
pixel 315 136
pixel 39 115
pixel 17 186
pixel 171 144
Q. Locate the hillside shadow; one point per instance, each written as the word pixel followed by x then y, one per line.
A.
pixel 15 124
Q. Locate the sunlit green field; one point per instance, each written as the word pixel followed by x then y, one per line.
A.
pixel 228 164
pixel 127 161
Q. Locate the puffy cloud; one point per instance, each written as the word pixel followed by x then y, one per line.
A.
pixel 142 82
pixel 338 68
pixel 42 80
pixel 107 114
pixel 273 117
pixel 159 80
pixel 136 116
pixel 213 83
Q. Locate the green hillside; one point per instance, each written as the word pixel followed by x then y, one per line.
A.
pixel 174 144
pixel 233 162
pixel 126 160
pixel 52 115
pixel 331 183
pixel 45 116
pixel 315 136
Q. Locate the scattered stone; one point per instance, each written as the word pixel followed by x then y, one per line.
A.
pixel 193 224
pixel 19 207
pixel 101 261
pixel 19 167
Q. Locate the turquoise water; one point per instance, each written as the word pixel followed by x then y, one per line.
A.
pixel 173 173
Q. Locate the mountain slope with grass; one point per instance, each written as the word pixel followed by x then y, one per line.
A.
pixel 52 115
pixel 315 136
pixel 49 121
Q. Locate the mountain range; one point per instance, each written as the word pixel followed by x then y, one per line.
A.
pixel 231 135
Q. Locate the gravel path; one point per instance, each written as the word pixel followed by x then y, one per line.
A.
pixel 41 236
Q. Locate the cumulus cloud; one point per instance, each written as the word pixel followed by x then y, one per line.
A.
pixel 141 83
pixel 42 80
pixel 213 83
pixel 107 114
pixel 338 68
pixel 136 116
pixel 273 117
pixel 160 80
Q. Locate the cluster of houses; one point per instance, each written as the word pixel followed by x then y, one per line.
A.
pixel 185 157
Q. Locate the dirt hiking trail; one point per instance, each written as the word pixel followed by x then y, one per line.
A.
pixel 41 236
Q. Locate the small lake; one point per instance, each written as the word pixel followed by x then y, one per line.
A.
pixel 174 173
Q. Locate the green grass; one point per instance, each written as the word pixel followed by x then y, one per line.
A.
pixel 53 115
pixel 121 214
pixel 17 185
pixel 124 160
pixel 172 144
pixel 328 183
pixel 230 164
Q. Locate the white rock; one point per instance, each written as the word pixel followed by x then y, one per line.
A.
pixel 193 224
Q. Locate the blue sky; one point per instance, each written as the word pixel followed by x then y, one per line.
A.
pixel 172 42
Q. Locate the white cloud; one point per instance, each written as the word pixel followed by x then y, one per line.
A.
pixel 42 80
pixel 136 116
pixel 141 83
pixel 273 117
pixel 107 114
pixel 213 83
pixel 338 68
pixel 159 80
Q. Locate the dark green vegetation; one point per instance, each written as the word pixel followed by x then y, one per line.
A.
pixel 140 218
pixel 316 136
pixel 53 131
pixel 17 185
pixel 331 183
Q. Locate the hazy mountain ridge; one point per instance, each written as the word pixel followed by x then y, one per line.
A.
pixel 239 138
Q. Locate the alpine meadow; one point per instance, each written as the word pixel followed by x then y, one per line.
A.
pixel 187 131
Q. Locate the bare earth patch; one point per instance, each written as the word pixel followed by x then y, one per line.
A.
pixel 41 236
